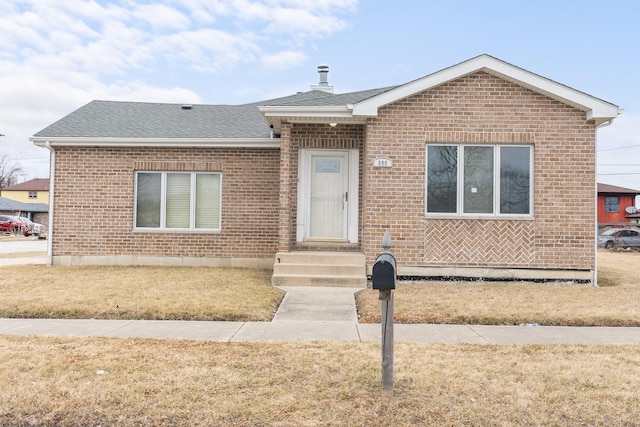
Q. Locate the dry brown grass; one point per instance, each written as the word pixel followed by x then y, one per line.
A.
pixel 614 303
pixel 235 294
pixel 618 268
pixel 91 382
pixel 174 293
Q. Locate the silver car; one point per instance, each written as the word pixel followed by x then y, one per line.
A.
pixel 626 239
pixel 605 239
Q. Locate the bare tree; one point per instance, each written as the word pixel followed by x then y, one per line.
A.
pixel 9 172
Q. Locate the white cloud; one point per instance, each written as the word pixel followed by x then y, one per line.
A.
pixel 206 12
pixel 207 49
pixel 284 59
pixel 162 17
pixel 303 23
pixel 302 19
pixel 109 40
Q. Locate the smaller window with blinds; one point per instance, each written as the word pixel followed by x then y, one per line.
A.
pixel 189 201
pixel 612 204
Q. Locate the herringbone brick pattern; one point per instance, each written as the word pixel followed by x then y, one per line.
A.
pixel 479 243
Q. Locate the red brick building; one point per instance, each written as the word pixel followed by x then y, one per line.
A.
pixel 462 167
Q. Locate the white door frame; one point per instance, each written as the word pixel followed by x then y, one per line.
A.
pixel 304 188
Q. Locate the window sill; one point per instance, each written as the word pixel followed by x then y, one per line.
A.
pixel 482 217
pixel 174 231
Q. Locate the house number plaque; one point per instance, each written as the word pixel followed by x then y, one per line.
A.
pixel 382 162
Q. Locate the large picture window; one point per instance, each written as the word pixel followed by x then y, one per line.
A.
pixel 478 179
pixel 178 200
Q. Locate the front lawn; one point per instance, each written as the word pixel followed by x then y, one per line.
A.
pixel 158 293
pixel 133 382
pixel 613 303
pixel 188 293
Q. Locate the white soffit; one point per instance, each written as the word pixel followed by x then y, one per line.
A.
pixel 302 111
pixel 157 142
pixel 595 108
pixel 275 115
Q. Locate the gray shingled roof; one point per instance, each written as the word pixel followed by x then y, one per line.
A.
pixel 115 119
pixel 8 205
pixel 317 98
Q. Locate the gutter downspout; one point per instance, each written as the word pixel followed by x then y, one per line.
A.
pixel 52 174
pixel 595 271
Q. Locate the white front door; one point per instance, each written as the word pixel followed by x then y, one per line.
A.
pixel 328 196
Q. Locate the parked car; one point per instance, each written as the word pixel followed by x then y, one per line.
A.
pixel 19 226
pixel 34 229
pixel 627 239
pixel 6 224
pixel 605 239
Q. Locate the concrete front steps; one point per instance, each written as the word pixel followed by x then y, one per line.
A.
pixel 343 269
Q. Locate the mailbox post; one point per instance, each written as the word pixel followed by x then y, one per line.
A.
pixel 383 278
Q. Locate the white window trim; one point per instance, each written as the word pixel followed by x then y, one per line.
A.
pixel 496 184
pixel 163 206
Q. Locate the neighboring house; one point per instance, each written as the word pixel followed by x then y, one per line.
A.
pixel 33 191
pixel 36 212
pixel 464 168
pixel 29 199
pixel 634 218
pixel 616 204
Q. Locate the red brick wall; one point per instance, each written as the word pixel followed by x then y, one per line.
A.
pixel 94 202
pixel 481 108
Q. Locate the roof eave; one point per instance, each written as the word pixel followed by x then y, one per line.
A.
pixel 596 109
pixel 156 142
pixel 276 115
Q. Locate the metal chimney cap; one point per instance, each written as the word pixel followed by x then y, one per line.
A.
pixel 323 70
pixel 323 84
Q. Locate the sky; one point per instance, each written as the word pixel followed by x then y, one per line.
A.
pixel 56 56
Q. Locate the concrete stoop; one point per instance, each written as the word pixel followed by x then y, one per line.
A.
pixel 306 268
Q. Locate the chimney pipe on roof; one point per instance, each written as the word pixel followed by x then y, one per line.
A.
pixel 323 85
pixel 323 70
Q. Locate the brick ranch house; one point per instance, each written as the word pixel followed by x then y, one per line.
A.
pixel 464 167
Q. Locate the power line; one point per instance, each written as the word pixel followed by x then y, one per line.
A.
pixel 620 148
pixel 609 174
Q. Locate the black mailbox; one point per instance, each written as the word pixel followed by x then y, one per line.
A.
pixel 383 274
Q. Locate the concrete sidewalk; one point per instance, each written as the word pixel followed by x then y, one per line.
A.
pixel 288 331
pixel 312 313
